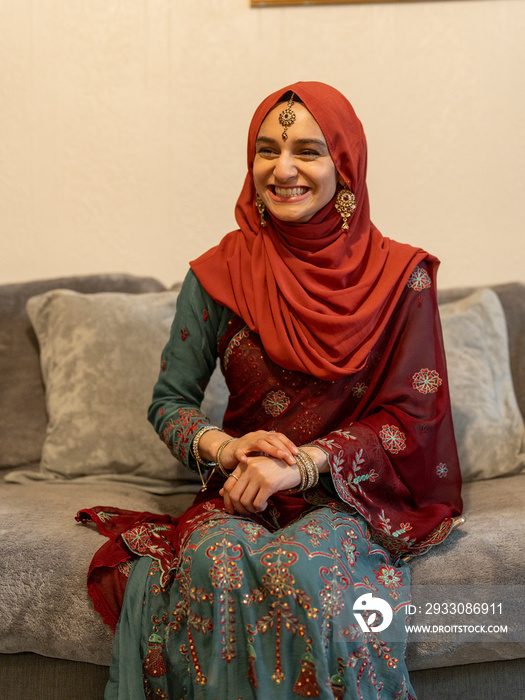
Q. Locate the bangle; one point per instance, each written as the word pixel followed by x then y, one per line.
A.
pixel 218 462
pixel 197 455
pixel 308 471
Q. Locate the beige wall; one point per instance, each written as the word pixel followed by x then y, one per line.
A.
pixel 123 123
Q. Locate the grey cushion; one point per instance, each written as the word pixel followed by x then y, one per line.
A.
pixel 22 405
pixel 489 428
pixel 512 297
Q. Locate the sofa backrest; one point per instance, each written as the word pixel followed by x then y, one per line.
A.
pixel 23 417
pixel 22 401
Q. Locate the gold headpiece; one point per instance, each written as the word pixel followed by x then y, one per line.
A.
pixel 287 117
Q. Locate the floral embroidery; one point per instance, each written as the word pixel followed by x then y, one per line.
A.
pixel 275 403
pixel 178 432
pixel 163 366
pixel 252 531
pixel 356 479
pixel 148 540
pixel 103 517
pixel 426 381
pixel 441 470
pixel 392 439
pixel 184 333
pixel 359 389
pixel 317 532
pixel 278 583
pixel 419 280
pixel 391 578
pixel 205 315
pixel 226 576
pixel 125 567
pixel 349 547
pixel 234 343
pixel 393 540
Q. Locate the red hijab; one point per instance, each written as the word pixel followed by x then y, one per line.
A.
pixel 318 297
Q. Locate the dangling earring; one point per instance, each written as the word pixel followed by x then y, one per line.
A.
pixel 345 205
pixel 260 208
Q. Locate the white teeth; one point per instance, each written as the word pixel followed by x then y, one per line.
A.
pixel 290 191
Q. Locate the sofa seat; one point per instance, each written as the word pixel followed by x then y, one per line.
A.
pixel 46 554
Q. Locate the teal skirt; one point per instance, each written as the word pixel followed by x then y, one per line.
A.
pixel 312 609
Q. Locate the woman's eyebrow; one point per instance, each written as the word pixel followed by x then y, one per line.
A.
pixel 316 142
pixel 265 139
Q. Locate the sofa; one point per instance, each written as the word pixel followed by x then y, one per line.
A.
pixel 78 359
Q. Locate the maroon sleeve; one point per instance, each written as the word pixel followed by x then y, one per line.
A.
pixel 395 460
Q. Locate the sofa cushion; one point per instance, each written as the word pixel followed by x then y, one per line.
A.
pixel 44 561
pixel 489 427
pixel 22 406
pixel 100 357
pixel 479 562
pixel 512 297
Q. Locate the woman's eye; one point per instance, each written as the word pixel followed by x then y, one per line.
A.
pixel 265 152
pixel 309 154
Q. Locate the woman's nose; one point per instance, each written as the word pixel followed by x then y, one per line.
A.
pixel 284 168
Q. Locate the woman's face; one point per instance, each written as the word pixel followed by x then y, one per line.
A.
pixel 297 177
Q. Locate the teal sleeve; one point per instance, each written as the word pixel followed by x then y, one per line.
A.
pixel 187 363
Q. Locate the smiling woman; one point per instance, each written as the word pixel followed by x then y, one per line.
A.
pixel 324 474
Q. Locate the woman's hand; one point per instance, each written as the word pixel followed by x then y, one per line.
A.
pixel 254 480
pixel 264 442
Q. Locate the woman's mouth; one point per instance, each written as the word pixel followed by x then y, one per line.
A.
pixel 287 192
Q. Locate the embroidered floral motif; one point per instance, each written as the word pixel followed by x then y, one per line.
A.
pixel 392 439
pixel 178 433
pixel 252 531
pixel 205 315
pixel 148 539
pixel 314 528
pixel 234 343
pixel 419 280
pixel 104 517
pixel 349 547
pixel 163 366
pixel 359 389
pixel 125 567
pixel 426 381
pixel 278 583
pixel 441 470
pixel 226 576
pixel 356 479
pixel 391 578
pixel 184 333
pixel 275 403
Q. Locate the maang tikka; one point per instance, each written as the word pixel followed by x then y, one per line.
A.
pixel 345 205
pixel 287 117
pixel 260 208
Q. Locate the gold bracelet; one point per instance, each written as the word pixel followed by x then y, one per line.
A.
pixel 197 456
pixel 218 457
pixel 308 471
pixel 311 468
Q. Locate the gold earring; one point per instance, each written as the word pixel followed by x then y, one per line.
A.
pixel 345 205
pixel 260 208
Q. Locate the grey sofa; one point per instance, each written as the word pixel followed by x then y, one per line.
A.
pixel 54 645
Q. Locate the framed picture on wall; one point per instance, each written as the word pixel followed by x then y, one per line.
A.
pixel 269 3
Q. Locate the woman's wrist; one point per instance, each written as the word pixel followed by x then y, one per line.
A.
pixel 210 442
pixel 319 456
